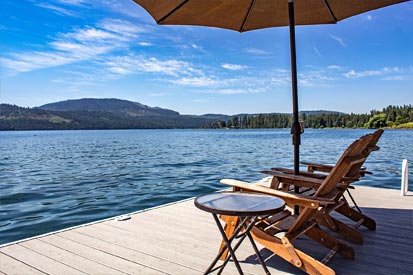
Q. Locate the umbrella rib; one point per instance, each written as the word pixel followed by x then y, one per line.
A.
pixel 172 12
pixel 247 15
pixel 331 11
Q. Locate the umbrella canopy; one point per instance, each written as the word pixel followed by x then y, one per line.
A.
pixel 246 15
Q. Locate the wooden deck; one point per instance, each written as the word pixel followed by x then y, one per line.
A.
pixel 181 239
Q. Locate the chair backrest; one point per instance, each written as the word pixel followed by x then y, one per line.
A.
pixel 353 155
pixel 354 171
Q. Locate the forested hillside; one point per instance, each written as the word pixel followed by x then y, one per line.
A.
pixel 391 116
pixel 121 114
pixel 81 116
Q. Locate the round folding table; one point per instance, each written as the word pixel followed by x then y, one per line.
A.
pixel 248 207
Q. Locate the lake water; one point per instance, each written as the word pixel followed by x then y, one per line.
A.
pixel 51 180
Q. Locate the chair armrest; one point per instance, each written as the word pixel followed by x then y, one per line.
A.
pixel 296 199
pixel 318 167
pixel 363 172
pixel 301 173
pixel 344 187
pixel 297 180
pixel 350 179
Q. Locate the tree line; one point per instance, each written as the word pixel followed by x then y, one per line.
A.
pixel 391 116
pixel 18 118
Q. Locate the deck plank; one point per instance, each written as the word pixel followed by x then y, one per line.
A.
pixel 39 261
pixel 197 257
pixel 12 266
pixel 132 255
pixel 99 256
pixel 68 258
pixel 196 260
pixel 181 239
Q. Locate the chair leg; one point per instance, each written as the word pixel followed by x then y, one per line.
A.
pixel 356 216
pixel 349 233
pixel 352 199
pixel 306 263
pixel 331 243
pixel 231 222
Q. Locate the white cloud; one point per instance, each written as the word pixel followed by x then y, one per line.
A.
pixel 138 64
pixel 82 44
pixel 280 80
pixel 122 28
pixel 339 40
pixel 66 46
pixel 169 67
pixel 56 9
pixel 237 91
pixel 72 2
pixel 144 44
pixel 354 74
pixel 196 47
pixel 119 70
pixel 335 67
pixel 397 77
pixel 367 73
pixel 233 67
pixel 369 17
pixel 230 91
pixel 195 81
pixel 26 62
pixel 315 78
pixel 256 51
pixel 92 34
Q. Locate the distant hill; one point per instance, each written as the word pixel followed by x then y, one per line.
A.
pixel 110 113
pixel 13 117
pixel 113 105
pixel 107 113
pixel 96 114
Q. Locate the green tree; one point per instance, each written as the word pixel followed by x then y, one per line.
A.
pixel 400 120
pixel 377 121
pixel 235 121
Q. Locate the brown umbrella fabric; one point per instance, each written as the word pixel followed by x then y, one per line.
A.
pixel 246 15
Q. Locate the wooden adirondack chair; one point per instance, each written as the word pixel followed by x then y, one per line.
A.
pixel 278 232
pixel 355 172
pixel 283 179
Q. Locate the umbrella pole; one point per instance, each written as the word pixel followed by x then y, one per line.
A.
pixel 295 127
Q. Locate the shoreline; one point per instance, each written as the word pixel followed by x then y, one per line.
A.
pixel 148 129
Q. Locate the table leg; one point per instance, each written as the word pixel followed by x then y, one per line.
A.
pixel 227 246
pixel 241 239
pixel 247 233
pixel 231 250
pixel 258 254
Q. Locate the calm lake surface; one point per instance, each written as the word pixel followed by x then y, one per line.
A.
pixel 51 180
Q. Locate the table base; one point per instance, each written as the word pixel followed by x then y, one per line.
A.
pixel 228 241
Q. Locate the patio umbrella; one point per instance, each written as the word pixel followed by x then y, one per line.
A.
pixel 247 15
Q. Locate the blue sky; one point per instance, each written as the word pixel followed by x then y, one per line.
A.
pixel 52 50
